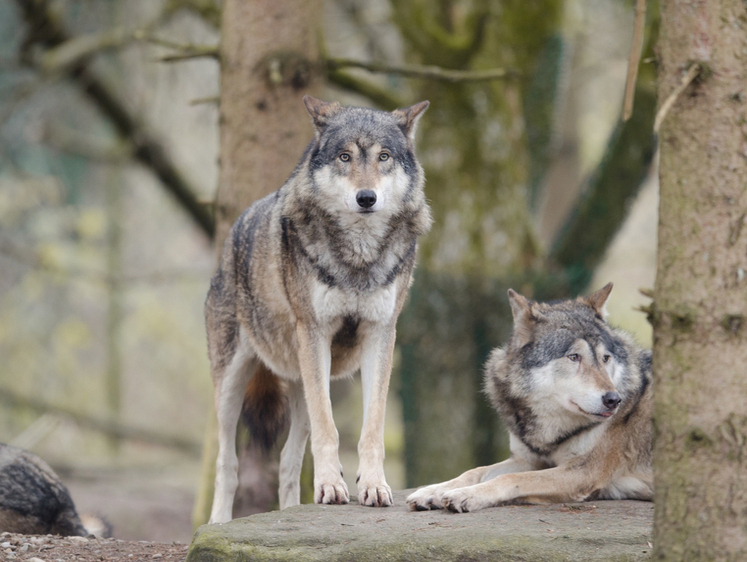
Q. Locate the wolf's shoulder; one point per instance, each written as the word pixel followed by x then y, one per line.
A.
pixel 254 213
pixel 255 218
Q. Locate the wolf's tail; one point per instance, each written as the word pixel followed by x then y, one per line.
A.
pixel 265 408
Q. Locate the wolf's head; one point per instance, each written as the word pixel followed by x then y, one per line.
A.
pixel 362 162
pixel 569 355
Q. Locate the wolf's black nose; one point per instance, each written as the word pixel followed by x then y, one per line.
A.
pixel 611 400
pixel 366 198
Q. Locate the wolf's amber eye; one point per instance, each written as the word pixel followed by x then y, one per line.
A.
pixel 574 357
pixel 345 157
pixel 606 358
pixel 383 156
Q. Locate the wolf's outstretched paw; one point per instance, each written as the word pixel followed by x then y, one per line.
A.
pixel 331 493
pixel 425 499
pixel 462 500
pixel 375 495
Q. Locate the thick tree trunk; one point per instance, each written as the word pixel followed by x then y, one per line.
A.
pixel 482 227
pixel 268 50
pixel 700 347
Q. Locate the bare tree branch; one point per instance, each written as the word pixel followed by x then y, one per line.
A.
pixel 122 431
pixel 382 97
pixel 186 51
pixel 689 76
pixel 69 141
pixel 28 256
pixel 76 49
pixel 635 58
pixel 46 30
pixel 207 100
pixel 427 72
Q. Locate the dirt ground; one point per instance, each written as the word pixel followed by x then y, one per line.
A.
pixel 32 548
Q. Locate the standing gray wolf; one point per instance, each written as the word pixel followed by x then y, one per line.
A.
pixel 33 501
pixel 309 287
pixel 576 397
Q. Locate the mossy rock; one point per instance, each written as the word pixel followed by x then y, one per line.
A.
pixel 601 531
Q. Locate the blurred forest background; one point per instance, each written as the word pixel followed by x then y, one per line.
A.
pixel 109 162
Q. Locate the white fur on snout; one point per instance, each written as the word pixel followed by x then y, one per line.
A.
pixel 590 401
pixel 391 186
pixel 338 193
pixel 616 371
pixel 560 385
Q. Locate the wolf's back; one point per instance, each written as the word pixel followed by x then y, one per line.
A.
pixel 264 410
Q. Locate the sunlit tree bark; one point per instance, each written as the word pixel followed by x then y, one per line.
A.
pixel 700 312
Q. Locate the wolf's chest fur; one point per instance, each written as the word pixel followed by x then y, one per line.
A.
pixel 307 265
pixel 331 303
pixel 360 255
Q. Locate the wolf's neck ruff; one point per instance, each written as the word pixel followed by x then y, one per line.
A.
pixel 367 252
pixel 521 419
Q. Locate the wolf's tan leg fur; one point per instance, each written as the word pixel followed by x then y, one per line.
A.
pixel 291 459
pixel 552 485
pixel 431 497
pixel 229 395
pixel 376 368
pixel 314 358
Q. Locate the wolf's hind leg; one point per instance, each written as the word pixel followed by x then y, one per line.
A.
pixel 291 459
pixel 229 395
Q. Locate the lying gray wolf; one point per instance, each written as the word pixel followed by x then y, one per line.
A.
pixel 309 287
pixel 33 500
pixel 576 397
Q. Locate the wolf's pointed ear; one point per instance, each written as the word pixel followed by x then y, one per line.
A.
pixel 321 111
pixel 408 118
pixel 598 300
pixel 524 317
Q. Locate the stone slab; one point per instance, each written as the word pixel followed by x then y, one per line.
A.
pixel 610 531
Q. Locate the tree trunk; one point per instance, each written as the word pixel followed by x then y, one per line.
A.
pixel 700 315
pixel 268 52
pixel 473 147
pixel 268 49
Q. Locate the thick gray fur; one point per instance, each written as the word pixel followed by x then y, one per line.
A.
pixel 576 396
pixel 309 287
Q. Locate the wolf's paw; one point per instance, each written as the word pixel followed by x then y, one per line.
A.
pixel 462 500
pixel 426 498
pixel 333 492
pixel 374 495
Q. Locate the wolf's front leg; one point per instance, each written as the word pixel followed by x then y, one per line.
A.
pixel 431 497
pixel 376 368
pixel 314 357
pixel 552 485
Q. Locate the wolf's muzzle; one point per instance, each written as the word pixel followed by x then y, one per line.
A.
pixel 366 198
